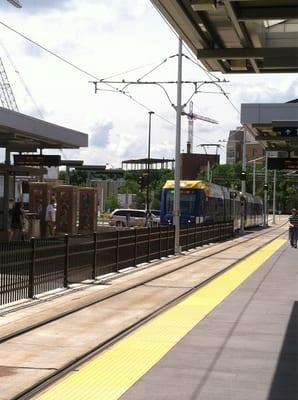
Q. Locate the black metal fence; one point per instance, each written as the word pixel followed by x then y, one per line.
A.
pixel 39 265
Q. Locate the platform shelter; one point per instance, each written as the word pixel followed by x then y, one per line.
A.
pixel 23 134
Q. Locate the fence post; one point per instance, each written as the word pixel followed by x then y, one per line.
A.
pixel 196 241
pixel 136 248
pixel 159 237
pixel 117 251
pixel 187 238
pixel 94 255
pixel 148 243
pixel 32 268
pixel 167 240
pixel 66 262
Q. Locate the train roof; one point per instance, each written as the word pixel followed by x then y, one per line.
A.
pixel 186 185
pixel 211 189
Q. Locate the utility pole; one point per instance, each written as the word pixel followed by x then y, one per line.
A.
pixel 190 129
pixel 266 190
pixel 274 197
pixel 254 178
pixel 176 211
pixel 208 171
pixel 148 170
pixel 243 181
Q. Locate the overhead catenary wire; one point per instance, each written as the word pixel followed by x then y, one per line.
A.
pixel 82 70
pixel 85 72
pixel 195 61
pixel 130 70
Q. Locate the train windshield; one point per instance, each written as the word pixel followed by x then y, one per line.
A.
pixel 187 201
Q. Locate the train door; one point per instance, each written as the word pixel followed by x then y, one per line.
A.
pixel 200 206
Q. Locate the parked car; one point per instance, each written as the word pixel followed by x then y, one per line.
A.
pixel 128 217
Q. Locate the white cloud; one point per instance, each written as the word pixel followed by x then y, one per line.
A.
pixel 101 134
pixel 38 6
pixel 106 37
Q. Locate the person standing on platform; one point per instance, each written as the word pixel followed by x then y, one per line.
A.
pixel 293 229
pixel 17 221
pixel 51 217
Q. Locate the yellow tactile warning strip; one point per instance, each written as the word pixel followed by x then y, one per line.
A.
pixel 112 373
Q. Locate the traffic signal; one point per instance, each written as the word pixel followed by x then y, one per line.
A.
pixel 265 187
pixel 243 175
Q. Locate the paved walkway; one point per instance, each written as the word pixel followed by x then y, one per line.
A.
pixel 246 349
pixel 124 301
pixel 235 338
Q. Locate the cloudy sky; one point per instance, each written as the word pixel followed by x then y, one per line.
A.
pixel 106 38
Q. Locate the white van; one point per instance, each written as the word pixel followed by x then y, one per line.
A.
pixel 128 217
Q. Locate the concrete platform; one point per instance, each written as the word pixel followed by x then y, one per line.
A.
pixel 34 355
pixel 246 349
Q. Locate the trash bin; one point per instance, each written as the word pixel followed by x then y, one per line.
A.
pixel 33 225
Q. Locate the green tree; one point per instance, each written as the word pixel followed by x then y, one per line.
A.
pixel 157 179
pixel 62 176
pixel 112 203
pixel 78 177
pixel 225 174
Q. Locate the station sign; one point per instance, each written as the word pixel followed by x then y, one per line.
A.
pixel 287 132
pixel 34 160
pixel 283 163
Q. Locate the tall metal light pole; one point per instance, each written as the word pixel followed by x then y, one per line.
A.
pixel 254 178
pixel 148 169
pixel 266 190
pixel 243 182
pixel 254 173
pixel 176 210
pixel 274 197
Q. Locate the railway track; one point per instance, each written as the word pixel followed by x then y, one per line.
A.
pixel 82 358
pixel 243 239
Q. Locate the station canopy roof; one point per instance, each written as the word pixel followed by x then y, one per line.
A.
pixel 20 132
pixel 275 125
pixel 237 36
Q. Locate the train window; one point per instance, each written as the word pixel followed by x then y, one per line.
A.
pixel 169 202
pixel 187 203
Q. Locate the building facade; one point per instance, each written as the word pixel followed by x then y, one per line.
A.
pixel 193 164
pixel 235 141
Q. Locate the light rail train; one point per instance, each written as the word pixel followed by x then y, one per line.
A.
pixel 204 202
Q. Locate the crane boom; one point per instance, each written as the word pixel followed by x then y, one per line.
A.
pixel 6 94
pixel 203 118
pixel 191 117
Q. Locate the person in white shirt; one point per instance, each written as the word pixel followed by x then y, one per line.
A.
pixel 51 217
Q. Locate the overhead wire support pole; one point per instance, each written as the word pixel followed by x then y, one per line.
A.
pixel 148 171
pixel 243 182
pixel 274 197
pixel 266 190
pixel 176 210
pixel 254 178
